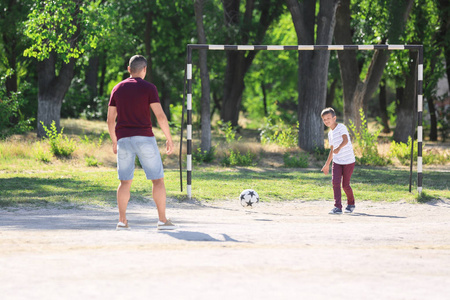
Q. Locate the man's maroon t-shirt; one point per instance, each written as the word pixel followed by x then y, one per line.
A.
pixel 132 98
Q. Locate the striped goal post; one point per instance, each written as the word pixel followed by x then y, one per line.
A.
pixel 187 94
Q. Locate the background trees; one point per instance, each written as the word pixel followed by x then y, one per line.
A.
pixel 65 56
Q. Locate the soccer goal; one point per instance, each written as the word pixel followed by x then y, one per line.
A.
pixel 187 94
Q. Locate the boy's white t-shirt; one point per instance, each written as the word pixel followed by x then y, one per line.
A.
pixel 346 155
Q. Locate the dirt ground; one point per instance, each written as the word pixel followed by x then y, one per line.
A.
pixel 289 250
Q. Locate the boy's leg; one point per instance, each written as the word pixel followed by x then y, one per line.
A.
pixel 159 196
pixel 347 175
pixel 336 177
pixel 123 196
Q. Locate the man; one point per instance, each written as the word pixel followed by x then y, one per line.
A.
pixel 130 104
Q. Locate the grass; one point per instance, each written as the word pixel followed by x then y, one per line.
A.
pixel 26 180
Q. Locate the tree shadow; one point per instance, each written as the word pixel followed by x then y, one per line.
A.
pixel 37 191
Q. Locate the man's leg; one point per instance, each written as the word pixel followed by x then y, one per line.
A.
pixel 159 196
pixel 123 196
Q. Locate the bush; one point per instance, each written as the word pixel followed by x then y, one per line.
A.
pixel 279 133
pixel 402 151
pixel 91 161
pixel 366 144
pixel 320 154
pixel 12 121
pixel 60 145
pixel 296 161
pixel 237 159
pixel 199 157
pixel 230 132
pixel 41 154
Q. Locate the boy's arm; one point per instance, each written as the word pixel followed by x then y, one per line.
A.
pixel 111 121
pixel 326 167
pixel 344 142
pixel 163 124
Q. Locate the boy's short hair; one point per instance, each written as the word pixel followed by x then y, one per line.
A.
pixel 328 110
pixel 137 63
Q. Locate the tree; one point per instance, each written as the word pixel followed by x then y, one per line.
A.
pixel 205 144
pixel 406 108
pixel 420 29
pixel 248 30
pixel 357 92
pixel 12 44
pixel 443 38
pixel 312 66
pixel 61 31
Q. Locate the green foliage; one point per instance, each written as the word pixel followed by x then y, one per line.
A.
pixel 200 156
pixel 278 133
pixel 229 131
pixel 443 114
pixel 86 140
pixel 41 154
pixel 60 145
pixel 10 108
pixel 402 151
pixel 299 160
pixel 235 158
pixel 273 75
pixel 66 27
pixel 320 154
pixel 137 162
pixel 367 143
pixel 91 161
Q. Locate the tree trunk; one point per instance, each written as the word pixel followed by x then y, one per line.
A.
pixel 233 87
pixel 383 107
pixel 331 93
pixel 313 67
pixel 433 119
pixel 238 62
pixel 444 32
pixel 52 90
pixel 148 43
pixel 91 80
pixel 263 88
pixel 205 144
pixel 406 111
pixel 103 62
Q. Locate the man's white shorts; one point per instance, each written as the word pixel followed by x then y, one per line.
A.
pixel 147 151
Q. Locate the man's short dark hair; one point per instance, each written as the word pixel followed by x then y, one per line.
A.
pixel 137 63
pixel 328 110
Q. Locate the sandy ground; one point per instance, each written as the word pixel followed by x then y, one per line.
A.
pixel 291 250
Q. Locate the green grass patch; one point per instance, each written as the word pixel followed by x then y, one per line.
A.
pixel 77 186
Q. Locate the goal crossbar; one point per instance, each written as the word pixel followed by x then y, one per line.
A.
pixel 187 95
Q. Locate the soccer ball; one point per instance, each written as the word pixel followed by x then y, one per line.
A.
pixel 249 198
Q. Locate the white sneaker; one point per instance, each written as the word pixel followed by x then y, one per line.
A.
pixel 122 226
pixel 166 226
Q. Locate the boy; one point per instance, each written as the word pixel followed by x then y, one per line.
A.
pixel 341 152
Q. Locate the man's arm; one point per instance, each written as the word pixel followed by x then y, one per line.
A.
pixel 111 121
pixel 163 124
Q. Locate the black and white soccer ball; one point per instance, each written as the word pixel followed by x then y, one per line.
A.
pixel 249 198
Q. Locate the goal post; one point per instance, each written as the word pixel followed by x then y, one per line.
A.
pixel 187 95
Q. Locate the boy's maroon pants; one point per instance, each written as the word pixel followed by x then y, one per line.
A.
pixel 342 173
